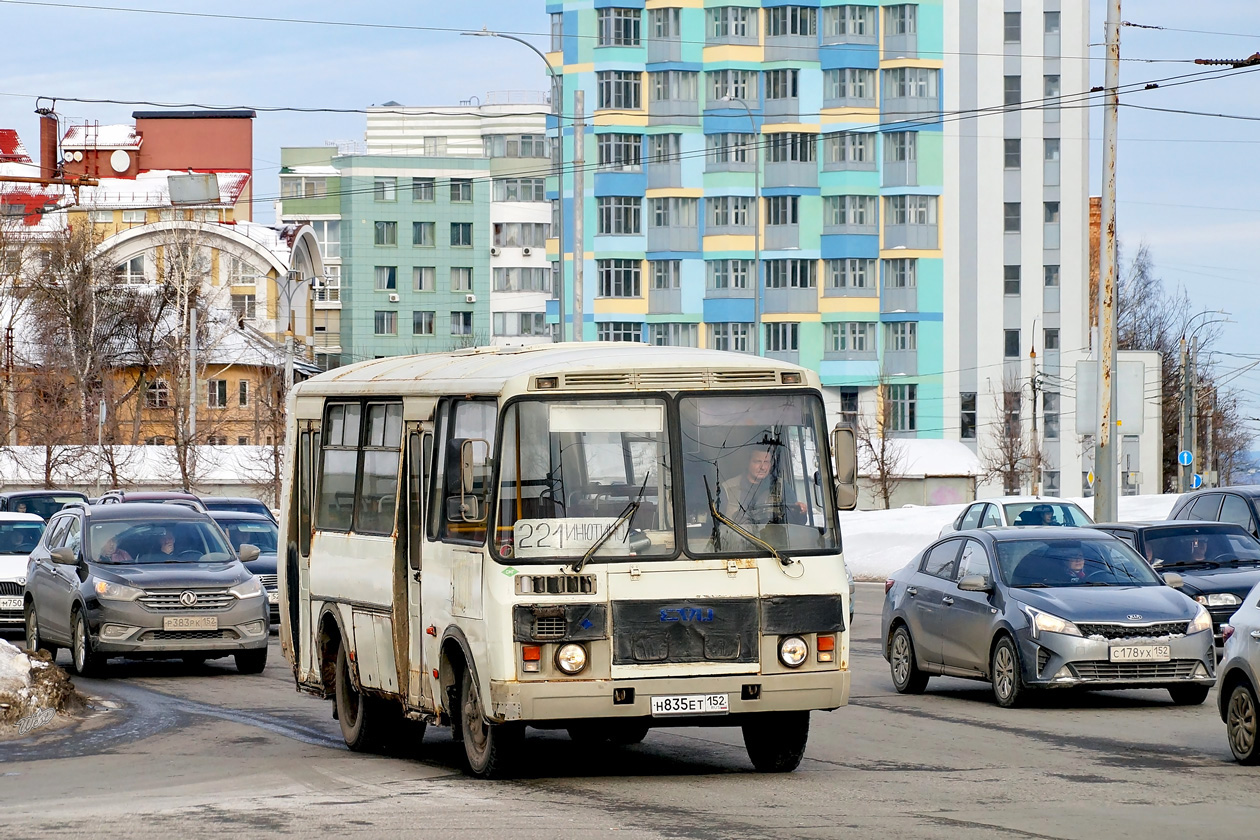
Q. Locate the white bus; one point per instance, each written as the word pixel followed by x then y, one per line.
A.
pixel 596 537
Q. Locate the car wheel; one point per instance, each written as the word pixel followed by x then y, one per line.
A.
pixel 1241 724
pixel 906 676
pixel 490 750
pixel 776 740
pixel 1008 683
pixel 251 661
pixel 84 661
pixel 628 734
pixel 33 640
pixel 1189 695
pixel 364 720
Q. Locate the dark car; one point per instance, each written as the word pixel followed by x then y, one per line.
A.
pixel 242 504
pixel 1218 562
pixel 1044 607
pixel 1237 505
pixel 116 497
pixel 143 581
pixel 244 529
pixel 42 503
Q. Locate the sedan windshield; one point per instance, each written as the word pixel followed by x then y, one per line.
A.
pixel 1055 563
pixel 585 479
pixel 1046 513
pixel 754 476
pixel 20 537
pixel 1201 546
pixel 128 541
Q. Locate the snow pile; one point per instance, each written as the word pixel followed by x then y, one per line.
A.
pixel 879 542
pixel 32 686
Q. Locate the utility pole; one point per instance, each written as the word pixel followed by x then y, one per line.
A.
pixel 1106 486
pixel 1183 473
pixel 579 211
pixel 1209 453
pixel 1192 406
pixel 192 376
pixel 1036 441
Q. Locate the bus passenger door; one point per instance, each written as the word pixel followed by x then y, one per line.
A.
pixel 295 572
pixel 419 457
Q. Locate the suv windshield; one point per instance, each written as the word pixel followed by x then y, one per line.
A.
pixel 127 541
pixel 755 461
pixel 1197 545
pixel 1054 563
pixel 571 470
pixel 20 537
pixel 261 535
pixel 1046 513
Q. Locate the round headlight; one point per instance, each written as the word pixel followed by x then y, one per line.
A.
pixel 571 658
pixel 793 651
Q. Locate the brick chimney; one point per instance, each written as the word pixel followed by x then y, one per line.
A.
pixel 48 162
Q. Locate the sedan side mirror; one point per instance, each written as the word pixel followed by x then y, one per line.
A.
pixel 248 553
pixel 975 583
pixel 1173 579
pixel 63 556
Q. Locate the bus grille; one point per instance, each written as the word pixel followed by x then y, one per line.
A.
pixel 549 627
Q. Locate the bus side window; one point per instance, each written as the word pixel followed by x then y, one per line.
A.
pixel 473 428
pixel 415 481
pixel 377 499
pixel 437 472
pixel 339 467
pixel 303 492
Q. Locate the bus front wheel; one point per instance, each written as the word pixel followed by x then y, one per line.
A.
pixel 489 748
pixel 776 740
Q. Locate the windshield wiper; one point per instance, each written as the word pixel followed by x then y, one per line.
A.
pixel 1032 586
pixel 784 560
pixel 631 508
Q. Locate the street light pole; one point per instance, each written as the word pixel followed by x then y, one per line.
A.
pixel 756 220
pixel 1106 466
pixel 557 102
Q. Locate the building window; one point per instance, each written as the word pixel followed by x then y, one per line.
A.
pixel 851 273
pixel 1050 408
pixel 1011 149
pixel 733 84
pixel 619 278
pixel 619 215
pixel 461 190
pixel 911 210
pixel 730 336
pixel 242 441
pixel 664 148
pixel 783 21
pixel 729 210
pixel 901 336
pixel 730 148
pixel 1052 149
pixel 328 235
pixel 791 274
pixel 619 331
pixel 728 274
pixel 1052 339
pixel 1010 344
pixel 783 210
pixel 783 337
pixel 461 279
pixel 842 23
pixel 910 83
pixel 423 278
pixel 1011 90
pixel 422 189
pixel 673 335
pixel 732 22
pixel 674 212
pixel 385 323
pixel 675 85
pixel 422 322
pixel 782 84
pixel 461 323
pixel 791 147
pixel 620 152
pixel 1011 28
pixel 850 85
pixel 522 279
pixel 386 233
pixel 520 189
pixel 851 337
pixel 217 393
pixel 1050 483
pixel 515 146
pixel 1053 89
pixel 216 440
pixel 1052 212
pixel 849 407
pixel 619 27
pixel 386 278
pixel 385 189
pixel 244 306
pixel 851 211
pixel 901 146
pixel 903 407
pixel 131 272
pixel 902 273
pixel 302 188
pixel 1010 280
pixel 424 234
pixel 519 235
pixel 461 234
pixel 1052 23
pixel 1010 217
pixel 666 275
pixel 158 395
pixel 621 89
pixel 243 392
pixel 520 324
pixel 1051 275
pixel 133 217
pixel 850 149
pixel 967 417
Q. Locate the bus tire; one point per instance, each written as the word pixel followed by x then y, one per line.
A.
pixel 776 740
pixel 490 749
pixel 364 720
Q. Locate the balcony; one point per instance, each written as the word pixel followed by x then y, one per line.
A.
pixel 729 230
pixel 729 292
pixel 791 48
pixel 783 110
pixel 901 45
pixel 901 362
pixel 674 112
pixel 782 237
pixel 791 174
pixel 911 107
pixel 783 301
pixel 913 237
pixel 664 175
pixel 673 238
pixel 663 49
pixel 791 356
pixel 901 173
pixel 665 301
pixel 899 299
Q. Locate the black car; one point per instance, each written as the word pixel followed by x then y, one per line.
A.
pixel 42 503
pixel 1218 562
pixel 242 504
pixel 244 529
pixel 1237 505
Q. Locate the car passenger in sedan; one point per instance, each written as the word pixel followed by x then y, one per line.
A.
pixel 111 553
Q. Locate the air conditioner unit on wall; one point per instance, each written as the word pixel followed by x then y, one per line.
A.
pixel 494 252
pixel 525 252
pixel 470 298
pixel 393 298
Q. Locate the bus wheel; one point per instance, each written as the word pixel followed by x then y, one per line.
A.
pixel 364 720
pixel 776 740
pixel 488 748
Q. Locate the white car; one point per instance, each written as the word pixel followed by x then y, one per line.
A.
pixel 19 534
pixel 1018 510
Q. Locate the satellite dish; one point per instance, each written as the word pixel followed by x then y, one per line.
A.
pixel 120 161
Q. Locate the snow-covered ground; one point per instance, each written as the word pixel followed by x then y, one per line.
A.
pixel 878 542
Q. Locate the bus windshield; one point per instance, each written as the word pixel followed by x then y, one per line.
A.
pixel 752 467
pixel 585 478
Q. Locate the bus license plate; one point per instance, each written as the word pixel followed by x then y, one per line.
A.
pixel 691 704
pixel 188 622
pixel 1141 653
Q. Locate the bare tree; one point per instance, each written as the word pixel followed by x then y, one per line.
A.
pixel 881 456
pixel 1009 454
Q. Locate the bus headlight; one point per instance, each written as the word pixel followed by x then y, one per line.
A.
pixel 571 659
pixel 793 651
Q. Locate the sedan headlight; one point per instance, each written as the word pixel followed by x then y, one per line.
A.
pixel 110 591
pixel 1219 599
pixel 1202 621
pixel 793 651
pixel 1044 622
pixel 251 588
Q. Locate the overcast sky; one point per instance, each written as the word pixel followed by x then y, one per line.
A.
pixel 1187 184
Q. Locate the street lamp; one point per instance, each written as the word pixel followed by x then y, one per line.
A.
pixel 1189 431
pixel 288 289
pixel 756 338
pixel 557 98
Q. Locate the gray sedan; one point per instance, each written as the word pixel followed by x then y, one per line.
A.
pixel 1044 607
pixel 1240 668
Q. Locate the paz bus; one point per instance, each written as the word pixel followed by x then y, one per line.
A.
pixel 601 538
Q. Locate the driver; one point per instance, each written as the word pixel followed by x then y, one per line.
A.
pixel 1043 515
pixel 756 497
pixel 1073 560
pixel 1198 550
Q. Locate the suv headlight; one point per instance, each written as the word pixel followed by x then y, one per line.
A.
pixel 109 591
pixel 1219 599
pixel 251 588
pixel 1202 621
pixel 1044 622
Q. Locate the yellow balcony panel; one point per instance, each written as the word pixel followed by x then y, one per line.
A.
pixel 928 63
pixel 626 118
pixel 907 254
pixel 674 4
pixel 789 317
pixel 731 52
pixel 729 243
pixel 850 305
pixel 675 192
pixel 621 306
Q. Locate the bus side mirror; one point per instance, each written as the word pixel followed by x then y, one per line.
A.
pixel 844 450
pixel 469 459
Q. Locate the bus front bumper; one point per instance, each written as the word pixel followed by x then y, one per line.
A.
pixel 567 700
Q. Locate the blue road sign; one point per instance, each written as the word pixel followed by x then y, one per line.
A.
pixel 1196 482
pixel 1185 457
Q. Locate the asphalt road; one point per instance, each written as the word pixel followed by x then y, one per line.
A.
pixel 207 752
